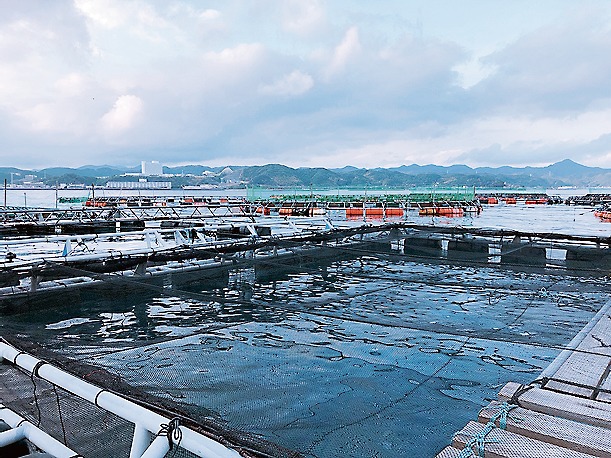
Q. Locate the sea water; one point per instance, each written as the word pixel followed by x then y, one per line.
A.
pixel 370 354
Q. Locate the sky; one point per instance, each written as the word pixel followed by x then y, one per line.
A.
pixel 305 83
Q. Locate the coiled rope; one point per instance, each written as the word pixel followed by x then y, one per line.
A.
pixel 475 447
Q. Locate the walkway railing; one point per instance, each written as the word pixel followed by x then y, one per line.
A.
pixel 154 434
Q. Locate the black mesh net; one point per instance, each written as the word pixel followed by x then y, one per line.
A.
pixel 359 351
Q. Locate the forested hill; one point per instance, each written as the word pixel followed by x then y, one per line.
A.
pixel 564 173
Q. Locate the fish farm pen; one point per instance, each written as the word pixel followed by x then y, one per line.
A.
pixel 227 328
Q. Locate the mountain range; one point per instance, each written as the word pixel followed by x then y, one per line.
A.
pixel 563 173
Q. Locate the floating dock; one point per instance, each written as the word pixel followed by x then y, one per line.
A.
pixel 564 413
pixel 589 200
pixel 87 220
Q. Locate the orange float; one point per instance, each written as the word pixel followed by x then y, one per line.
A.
pixel 354 211
pixel 394 212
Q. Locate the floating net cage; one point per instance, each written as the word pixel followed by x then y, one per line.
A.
pixel 343 351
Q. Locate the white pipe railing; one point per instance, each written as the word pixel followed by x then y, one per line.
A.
pixel 551 370
pixel 147 423
pixel 23 429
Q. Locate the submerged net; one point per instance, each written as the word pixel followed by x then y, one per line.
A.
pixel 357 351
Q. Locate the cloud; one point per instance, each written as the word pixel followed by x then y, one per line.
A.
pixel 324 82
pixel 106 13
pixel 210 14
pixel 123 115
pixel 295 83
pixel 242 55
pixel 557 67
pixel 473 71
pixel 72 84
pixel 489 141
pixel 302 17
pixel 41 117
pixel 343 52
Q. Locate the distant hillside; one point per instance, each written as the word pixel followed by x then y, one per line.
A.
pixel 563 173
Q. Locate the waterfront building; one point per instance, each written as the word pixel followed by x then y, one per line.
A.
pixel 152 168
pixel 141 184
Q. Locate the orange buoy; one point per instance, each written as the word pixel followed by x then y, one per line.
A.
pixel 394 212
pixel 374 211
pixel 354 211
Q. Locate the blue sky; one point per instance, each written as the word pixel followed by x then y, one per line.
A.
pixel 305 82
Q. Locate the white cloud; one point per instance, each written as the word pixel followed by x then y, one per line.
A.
pixel 561 66
pixel 134 18
pixel 330 82
pixel 210 14
pixel 41 117
pixel 106 13
pixel 242 55
pixel 72 84
pixel 471 72
pixel 302 17
pixel 295 83
pixel 487 141
pixel 343 52
pixel 123 115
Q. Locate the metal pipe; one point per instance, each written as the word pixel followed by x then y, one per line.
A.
pixel 35 435
pixel 551 370
pixel 194 442
pixel 11 436
pixel 140 442
pixel 158 448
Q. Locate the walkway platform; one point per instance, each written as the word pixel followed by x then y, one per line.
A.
pixel 566 412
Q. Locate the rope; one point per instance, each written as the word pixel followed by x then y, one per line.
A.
pixel 61 417
pixel 476 446
pixel 479 442
pixel 95 401
pixel 596 390
pixel 32 375
pixel 519 392
pixel 502 415
pixel 17 355
pixel 172 431
pixel 37 367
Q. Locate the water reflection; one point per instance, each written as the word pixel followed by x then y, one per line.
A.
pixel 463 300
pixel 358 354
